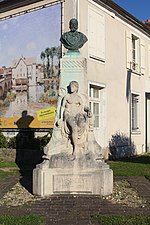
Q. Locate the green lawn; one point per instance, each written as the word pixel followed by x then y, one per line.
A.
pixel 21 220
pixel 5 174
pixel 7 164
pixel 8 169
pixel 135 166
pixel 123 220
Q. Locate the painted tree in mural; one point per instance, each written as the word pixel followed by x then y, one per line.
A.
pixel 43 56
pixel 47 57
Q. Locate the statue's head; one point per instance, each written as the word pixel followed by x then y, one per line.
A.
pixel 74 86
pixel 73 24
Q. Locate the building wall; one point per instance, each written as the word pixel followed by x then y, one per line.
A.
pixel 19 72
pixel 110 70
pixel 32 74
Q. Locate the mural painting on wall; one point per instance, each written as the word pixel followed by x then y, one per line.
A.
pixel 29 68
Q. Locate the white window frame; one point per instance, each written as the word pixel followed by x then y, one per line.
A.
pixel 95 100
pixel 135 53
pixel 135 112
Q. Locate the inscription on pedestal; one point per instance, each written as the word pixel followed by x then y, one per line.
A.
pixel 72 183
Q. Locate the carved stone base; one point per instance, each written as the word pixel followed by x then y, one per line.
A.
pixel 73 180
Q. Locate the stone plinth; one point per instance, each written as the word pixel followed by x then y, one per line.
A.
pixel 81 176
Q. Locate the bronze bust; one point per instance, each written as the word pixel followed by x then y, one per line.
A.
pixel 73 40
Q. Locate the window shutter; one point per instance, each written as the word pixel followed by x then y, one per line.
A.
pixel 92 36
pixel 100 36
pixel 96 30
pixel 129 49
pixel 142 57
pixel 149 60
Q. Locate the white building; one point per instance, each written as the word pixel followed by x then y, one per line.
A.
pixel 24 71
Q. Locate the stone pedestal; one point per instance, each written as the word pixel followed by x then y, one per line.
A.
pixel 76 178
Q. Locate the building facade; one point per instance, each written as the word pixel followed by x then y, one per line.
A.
pixel 118 68
pixel 118 65
pixel 24 71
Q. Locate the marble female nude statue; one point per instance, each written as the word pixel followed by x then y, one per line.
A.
pixel 74 116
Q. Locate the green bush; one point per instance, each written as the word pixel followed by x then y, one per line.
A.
pixel 121 146
pixel 33 143
pixel 12 142
pixel 43 141
pixel 3 141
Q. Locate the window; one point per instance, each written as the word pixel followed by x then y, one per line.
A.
pixel 135 112
pixel 96 104
pixel 135 53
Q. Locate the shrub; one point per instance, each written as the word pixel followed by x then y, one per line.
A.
pixel 121 146
pixel 3 141
pixel 45 139
pixel 24 139
pixel 12 142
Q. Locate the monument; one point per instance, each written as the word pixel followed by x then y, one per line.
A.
pixel 72 160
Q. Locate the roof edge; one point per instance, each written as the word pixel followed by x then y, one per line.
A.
pixel 123 14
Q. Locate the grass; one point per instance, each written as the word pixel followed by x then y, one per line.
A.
pixel 135 166
pixel 7 164
pixel 122 220
pixel 4 172
pixel 21 220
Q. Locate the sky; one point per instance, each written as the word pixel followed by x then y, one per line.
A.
pixel 29 34
pixel 138 8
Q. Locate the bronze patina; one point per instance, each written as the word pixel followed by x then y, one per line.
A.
pixel 73 40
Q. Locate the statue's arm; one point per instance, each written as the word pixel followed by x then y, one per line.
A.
pixel 63 107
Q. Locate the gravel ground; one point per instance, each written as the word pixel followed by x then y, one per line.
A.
pixel 123 193
pixel 18 195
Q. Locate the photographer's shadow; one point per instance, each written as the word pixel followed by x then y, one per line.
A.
pixel 28 152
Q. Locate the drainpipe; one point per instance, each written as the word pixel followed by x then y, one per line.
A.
pixel 75 9
pixel 129 97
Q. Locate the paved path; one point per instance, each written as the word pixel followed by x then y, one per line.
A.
pixel 77 210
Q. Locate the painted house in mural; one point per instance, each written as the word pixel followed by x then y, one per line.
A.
pixel 24 71
pixel 118 68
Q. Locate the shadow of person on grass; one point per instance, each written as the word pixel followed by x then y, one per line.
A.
pixel 28 152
